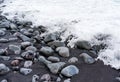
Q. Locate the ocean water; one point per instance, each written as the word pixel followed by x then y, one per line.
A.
pixel 84 19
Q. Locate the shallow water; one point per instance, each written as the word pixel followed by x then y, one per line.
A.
pixel 82 18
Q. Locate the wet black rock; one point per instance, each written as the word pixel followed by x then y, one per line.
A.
pixel 83 45
pixel 51 37
pixel 56 44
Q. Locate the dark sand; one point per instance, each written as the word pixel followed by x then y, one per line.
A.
pixel 96 72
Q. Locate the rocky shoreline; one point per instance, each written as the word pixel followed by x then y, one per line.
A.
pixel 26 56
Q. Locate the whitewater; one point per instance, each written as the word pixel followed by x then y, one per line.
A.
pixel 84 19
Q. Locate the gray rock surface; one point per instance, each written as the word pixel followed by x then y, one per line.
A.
pixel 47 51
pixel 70 71
pixel 3 69
pixel 63 51
pixel 87 59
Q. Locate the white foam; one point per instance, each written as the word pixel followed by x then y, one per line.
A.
pixel 82 18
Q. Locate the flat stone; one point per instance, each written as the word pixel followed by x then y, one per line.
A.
pixel 5 58
pixel 15 62
pixel 67 80
pixel 28 55
pixel 53 59
pixel 70 71
pixel 4 80
pixel 47 51
pixel 3 69
pixel 87 59
pixel 56 44
pixel 83 45
pixel 2 33
pixel 73 60
pixel 15 48
pixel 44 60
pixel 45 77
pixel 3 40
pixel 55 67
pixel 63 51
pixel 32 48
pixel 25 44
pixel 35 78
pixel 25 71
pixel 22 36
pixel 28 64
pixel 51 37
pixel 2 51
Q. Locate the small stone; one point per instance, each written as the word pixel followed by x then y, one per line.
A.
pixel 28 64
pixel 58 79
pixel 45 77
pixel 4 80
pixel 3 69
pixel 63 51
pixel 53 59
pixel 3 40
pixel 117 78
pixel 56 44
pixel 25 71
pixel 55 67
pixel 44 60
pixel 87 59
pixel 15 48
pixel 25 44
pixel 19 58
pixel 35 78
pixel 29 55
pixel 32 48
pixel 47 51
pixel 73 60
pixel 51 37
pixel 2 33
pixel 15 68
pixel 67 80
pixel 15 62
pixel 70 71
pixel 13 39
pixel 83 45
pixel 13 26
pixel 5 58
pixel 2 51
pixel 22 37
